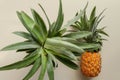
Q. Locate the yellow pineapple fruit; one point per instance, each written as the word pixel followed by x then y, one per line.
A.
pixel 90 64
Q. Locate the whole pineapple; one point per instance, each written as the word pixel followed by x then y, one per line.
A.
pixel 91 59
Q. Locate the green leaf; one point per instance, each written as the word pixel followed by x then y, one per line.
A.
pixel 20 64
pixel 21 45
pixel 38 34
pixel 62 51
pixel 51 29
pixel 76 27
pixel 88 45
pixel 34 69
pixel 64 44
pixel 34 29
pixel 45 15
pixel 24 35
pixel 30 21
pixel 67 62
pixel 78 35
pixel 30 50
pixel 92 22
pixel 52 57
pixel 55 51
pixel 37 51
pixel 103 32
pixel 86 6
pixel 71 40
pixel 50 69
pixel 61 32
pixel 93 13
pixel 44 66
pixel 97 21
pixel 38 19
pixel 59 20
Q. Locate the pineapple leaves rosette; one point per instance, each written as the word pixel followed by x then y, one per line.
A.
pixel 44 46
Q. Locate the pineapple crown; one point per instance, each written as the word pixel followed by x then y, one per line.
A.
pixel 90 24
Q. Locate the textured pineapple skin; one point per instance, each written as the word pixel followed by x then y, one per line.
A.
pixel 90 64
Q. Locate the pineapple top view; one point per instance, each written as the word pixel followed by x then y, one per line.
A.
pixel 44 44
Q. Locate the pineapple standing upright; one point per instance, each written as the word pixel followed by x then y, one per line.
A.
pixel 91 59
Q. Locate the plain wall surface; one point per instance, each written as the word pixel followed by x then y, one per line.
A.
pixel 10 23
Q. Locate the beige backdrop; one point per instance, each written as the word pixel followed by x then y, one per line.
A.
pixel 10 23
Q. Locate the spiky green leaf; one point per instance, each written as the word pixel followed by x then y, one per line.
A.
pixel 21 45
pixel 103 32
pixel 93 13
pixel 78 35
pixel 68 63
pixel 20 64
pixel 45 15
pixel 59 20
pixel 23 34
pixel 34 69
pixel 62 52
pixel 38 19
pixel 64 44
pixel 50 69
pixel 43 66
pixel 88 45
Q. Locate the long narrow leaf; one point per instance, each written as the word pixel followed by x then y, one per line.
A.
pixel 96 21
pixel 32 27
pixel 21 45
pixel 88 45
pixel 37 51
pixel 60 18
pixel 38 19
pixel 45 15
pixel 33 69
pixel 67 62
pixel 23 34
pixel 29 23
pixel 20 64
pixel 104 33
pixel 44 67
pixel 62 52
pixel 52 57
pixel 64 44
pixel 38 35
pixel 78 35
pixel 50 69
pixel 93 13
pixel 68 39
pixel 28 27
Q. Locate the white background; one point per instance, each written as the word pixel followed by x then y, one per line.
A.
pixel 10 23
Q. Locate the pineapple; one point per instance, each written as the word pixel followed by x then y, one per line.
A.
pixel 91 59
pixel 44 46
pixel 90 64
